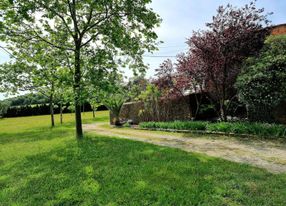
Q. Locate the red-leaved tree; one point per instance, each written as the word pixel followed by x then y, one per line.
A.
pixel 191 78
pixel 232 36
pixel 167 80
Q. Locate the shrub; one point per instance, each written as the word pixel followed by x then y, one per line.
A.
pixel 259 129
pixel 261 84
pixel 179 125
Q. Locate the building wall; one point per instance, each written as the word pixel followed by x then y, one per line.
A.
pixel 177 109
pixel 278 30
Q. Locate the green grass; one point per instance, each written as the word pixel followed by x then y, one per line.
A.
pixel 259 129
pixel 44 166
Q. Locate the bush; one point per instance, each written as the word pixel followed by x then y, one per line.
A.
pixel 261 85
pixel 179 125
pixel 259 129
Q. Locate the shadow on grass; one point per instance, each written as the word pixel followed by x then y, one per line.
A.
pixel 34 135
pixel 106 171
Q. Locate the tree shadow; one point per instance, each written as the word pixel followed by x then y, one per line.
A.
pixel 101 171
pixel 33 135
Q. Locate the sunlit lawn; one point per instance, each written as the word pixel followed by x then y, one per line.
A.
pixel 44 166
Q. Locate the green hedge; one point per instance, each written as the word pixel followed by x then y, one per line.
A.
pixel 259 129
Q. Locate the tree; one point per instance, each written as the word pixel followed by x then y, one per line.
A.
pixel 191 77
pixel 167 80
pixel 135 86
pixel 94 98
pixel 262 82
pixel 63 96
pixel 27 99
pixel 4 105
pixel 184 77
pixel 232 36
pixel 75 26
pixel 114 103
pixel 35 68
pixel 151 97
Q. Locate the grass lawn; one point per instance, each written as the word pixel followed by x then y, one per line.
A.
pixel 44 166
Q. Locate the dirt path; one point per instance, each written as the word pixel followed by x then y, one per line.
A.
pixel 270 155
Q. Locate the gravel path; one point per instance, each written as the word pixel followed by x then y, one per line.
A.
pixel 270 155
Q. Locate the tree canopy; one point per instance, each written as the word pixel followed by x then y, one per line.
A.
pixel 232 36
pixel 111 31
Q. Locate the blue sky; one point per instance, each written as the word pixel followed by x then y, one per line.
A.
pixel 181 17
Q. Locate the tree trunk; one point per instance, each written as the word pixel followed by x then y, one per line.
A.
pixel 117 121
pixel 93 112
pixel 61 113
pixel 223 97
pixel 52 110
pixel 198 104
pixel 77 82
pixel 189 100
pixel 223 111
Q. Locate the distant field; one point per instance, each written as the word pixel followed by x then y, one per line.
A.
pixel 44 166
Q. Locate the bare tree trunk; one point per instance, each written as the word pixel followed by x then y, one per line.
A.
pixel 198 105
pixel 93 112
pixel 52 110
pixel 223 111
pixel 117 121
pixel 222 101
pixel 61 113
pixel 77 79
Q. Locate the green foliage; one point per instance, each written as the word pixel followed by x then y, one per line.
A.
pixel 4 105
pixel 179 125
pixel 28 99
pixel 91 37
pixel 126 125
pixel 262 82
pixel 136 86
pixel 150 97
pixel 44 166
pixel 151 94
pixel 114 103
pixel 259 129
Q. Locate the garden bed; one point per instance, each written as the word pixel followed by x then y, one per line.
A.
pixel 244 129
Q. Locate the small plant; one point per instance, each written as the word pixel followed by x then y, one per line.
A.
pixel 259 129
pixel 127 124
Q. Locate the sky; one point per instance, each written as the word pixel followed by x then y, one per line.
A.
pixel 181 17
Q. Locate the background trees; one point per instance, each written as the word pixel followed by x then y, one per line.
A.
pixel 4 105
pixel 35 68
pixel 73 26
pixel 262 82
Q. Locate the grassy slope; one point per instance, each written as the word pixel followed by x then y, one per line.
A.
pixel 43 166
